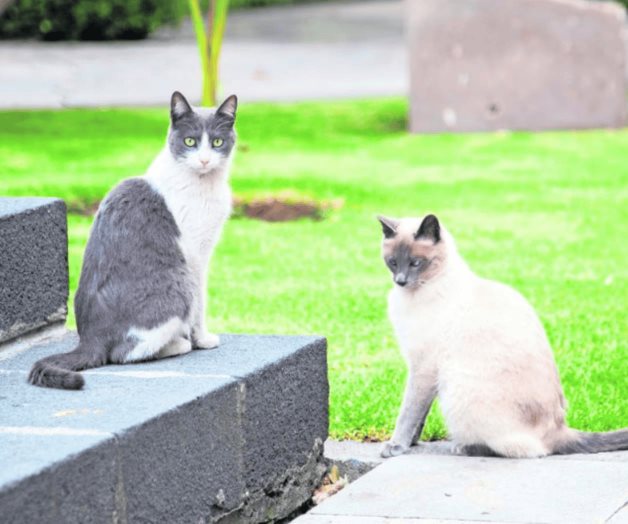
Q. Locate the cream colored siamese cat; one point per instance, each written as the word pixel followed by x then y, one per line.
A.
pixel 479 346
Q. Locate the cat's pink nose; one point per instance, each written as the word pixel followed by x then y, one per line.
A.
pixel 204 162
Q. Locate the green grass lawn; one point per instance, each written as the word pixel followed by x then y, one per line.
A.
pixel 546 213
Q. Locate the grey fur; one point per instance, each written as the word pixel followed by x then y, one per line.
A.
pixel 532 412
pixel 478 450
pixel 389 226
pixel 430 229
pixel 134 274
pixel 594 442
pixel 405 267
pixel 187 123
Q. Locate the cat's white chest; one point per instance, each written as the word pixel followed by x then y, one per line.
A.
pixel 200 216
pixel 418 326
pixel 199 206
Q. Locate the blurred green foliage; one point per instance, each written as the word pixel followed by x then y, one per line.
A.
pixel 99 19
pixel 105 19
pixel 88 19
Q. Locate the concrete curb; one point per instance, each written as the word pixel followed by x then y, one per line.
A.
pixel 33 264
pixel 229 435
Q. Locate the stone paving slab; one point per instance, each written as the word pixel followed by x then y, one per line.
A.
pixel 232 358
pixel 462 489
pixel 98 411
pixel 621 517
pixel 339 519
pixel 354 459
pixel 186 439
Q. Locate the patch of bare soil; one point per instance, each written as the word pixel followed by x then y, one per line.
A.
pixel 282 208
pixel 274 209
pixel 269 209
pixel 83 208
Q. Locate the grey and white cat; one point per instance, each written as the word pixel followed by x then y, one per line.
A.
pixel 479 346
pixel 141 293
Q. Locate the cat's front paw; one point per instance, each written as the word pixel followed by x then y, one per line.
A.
pixel 205 341
pixel 392 449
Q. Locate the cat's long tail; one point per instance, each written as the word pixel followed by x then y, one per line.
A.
pixel 582 442
pixel 59 371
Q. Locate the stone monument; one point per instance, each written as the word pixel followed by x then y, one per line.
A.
pixel 486 65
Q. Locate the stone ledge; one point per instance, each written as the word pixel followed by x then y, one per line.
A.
pixel 229 435
pixel 433 487
pixel 33 264
pixel 430 484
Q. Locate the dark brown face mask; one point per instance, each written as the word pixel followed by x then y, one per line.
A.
pixel 409 259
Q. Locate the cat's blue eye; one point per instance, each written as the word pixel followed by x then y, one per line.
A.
pixel 189 141
pixel 415 263
pixel 217 142
pixel 392 262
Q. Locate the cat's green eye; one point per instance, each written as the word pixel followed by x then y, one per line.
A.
pixel 217 142
pixel 189 141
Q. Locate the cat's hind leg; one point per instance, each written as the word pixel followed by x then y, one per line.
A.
pixel 205 340
pixel 518 445
pixel 150 342
pixel 177 346
pixel 475 450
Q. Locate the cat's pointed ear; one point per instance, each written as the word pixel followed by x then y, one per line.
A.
pixel 179 106
pixel 389 226
pixel 228 107
pixel 430 229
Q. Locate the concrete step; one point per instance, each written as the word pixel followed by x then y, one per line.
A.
pixel 33 264
pixel 432 486
pixel 232 435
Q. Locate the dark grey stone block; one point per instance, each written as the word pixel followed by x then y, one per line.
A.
pixel 72 491
pixel 186 465
pixel 229 435
pixel 33 264
pixel 285 423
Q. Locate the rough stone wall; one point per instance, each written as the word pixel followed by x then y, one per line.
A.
pixel 33 264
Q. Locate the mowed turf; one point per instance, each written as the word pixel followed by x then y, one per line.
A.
pixel 546 213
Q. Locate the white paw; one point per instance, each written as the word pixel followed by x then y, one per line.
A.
pixel 178 346
pixel 392 449
pixel 458 449
pixel 206 341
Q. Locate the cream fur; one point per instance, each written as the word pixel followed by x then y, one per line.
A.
pixel 479 346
